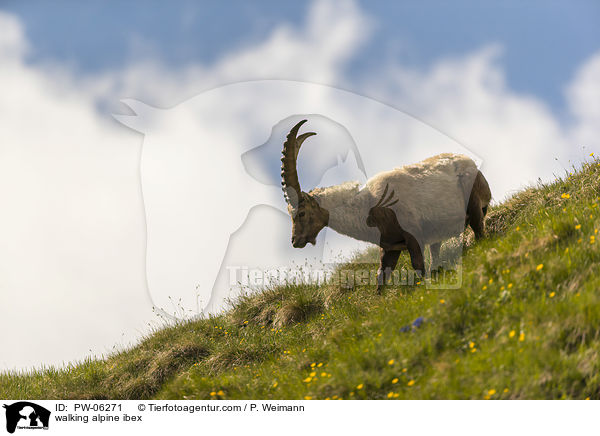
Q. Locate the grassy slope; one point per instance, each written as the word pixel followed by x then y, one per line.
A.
pixel 525 324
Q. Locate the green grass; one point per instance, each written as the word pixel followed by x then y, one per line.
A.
pixel 524 324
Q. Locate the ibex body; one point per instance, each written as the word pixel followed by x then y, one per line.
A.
pixel 405 208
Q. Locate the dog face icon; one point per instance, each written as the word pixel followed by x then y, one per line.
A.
pixel 26 414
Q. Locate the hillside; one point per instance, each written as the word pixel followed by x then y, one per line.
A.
pixel 525 324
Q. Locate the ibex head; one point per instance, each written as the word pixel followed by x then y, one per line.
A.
pixel 308 218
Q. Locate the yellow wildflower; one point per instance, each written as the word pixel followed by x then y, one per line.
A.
pixel 552 294
pixel 394 381
pixel 320 365
pixel 484 287
pixel 565 195
pixel 578 226
pixel 308 397
pixel 312 374
pixel 410 383
pixel 391 362
pixel 390 395
pixel 442 301
pixel 539 267
pixel 522 337
pixel 360 386
pixel 471 344
pixel 307 380
pixel 404 370
pixel 213 393
pixel 511 334
pixel 510 285
pixel 275 384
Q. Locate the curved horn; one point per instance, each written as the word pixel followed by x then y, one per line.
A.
pixel 289 157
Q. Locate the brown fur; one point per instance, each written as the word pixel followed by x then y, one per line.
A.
pixel 478 203
pixel 392 241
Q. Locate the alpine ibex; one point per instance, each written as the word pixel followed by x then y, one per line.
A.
pixel 437 198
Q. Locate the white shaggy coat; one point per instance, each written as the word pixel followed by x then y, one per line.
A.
pixel 433 195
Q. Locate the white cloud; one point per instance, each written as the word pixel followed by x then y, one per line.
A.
pixel 72 225
pixel 12 40
pixel 316 52
pixel 468 98
pixel 73 230
pixel 583 96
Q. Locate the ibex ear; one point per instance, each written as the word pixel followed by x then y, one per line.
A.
pixel 141 119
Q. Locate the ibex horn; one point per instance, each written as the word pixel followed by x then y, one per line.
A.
pixel 289 173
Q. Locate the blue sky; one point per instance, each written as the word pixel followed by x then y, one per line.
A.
pixel 544 41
